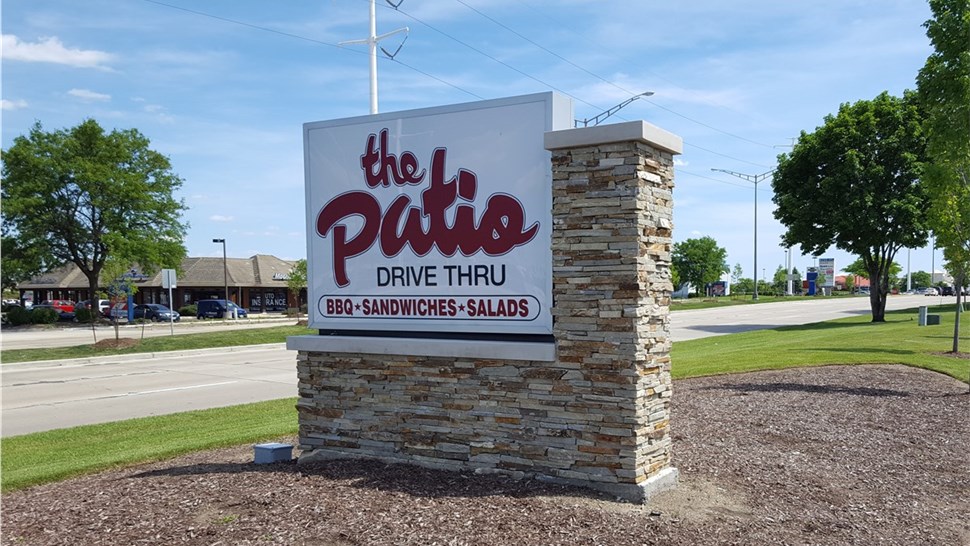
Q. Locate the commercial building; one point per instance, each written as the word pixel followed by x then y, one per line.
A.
pixel 258 283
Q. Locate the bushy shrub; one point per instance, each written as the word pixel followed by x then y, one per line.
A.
pixel 44 315
pixel 84 314
pixel 18 316
pixel 188 311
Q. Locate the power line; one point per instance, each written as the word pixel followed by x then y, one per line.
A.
pixel 454 86
pixel 609 82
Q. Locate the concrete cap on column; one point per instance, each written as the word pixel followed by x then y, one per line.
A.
pixel 615 132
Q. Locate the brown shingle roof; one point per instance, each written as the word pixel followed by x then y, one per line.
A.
pixel 261 270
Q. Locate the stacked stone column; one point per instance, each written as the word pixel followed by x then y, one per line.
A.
pixel 613 209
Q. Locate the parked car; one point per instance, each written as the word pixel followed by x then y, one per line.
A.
pixel 64 306
pixel 947 291
pixel 156 312
pixel 104 306
pixel 63 315
pixel 217 309
pixel 931 292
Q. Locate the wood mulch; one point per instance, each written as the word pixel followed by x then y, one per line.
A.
pixel 120 343
pixel 827 455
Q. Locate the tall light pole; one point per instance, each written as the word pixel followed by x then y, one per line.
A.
pixel 600 117
pixel 752 178
pixel 225 273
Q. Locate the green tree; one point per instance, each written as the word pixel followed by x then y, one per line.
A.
pixel 850 282
pixel 297 281
pixel 19 263
pixel 779 281
pixel 854 184
pixel 699 261
pixel 921 279
pixel 83 196
pixel 944 92
pixel 736 274
pixel 858 268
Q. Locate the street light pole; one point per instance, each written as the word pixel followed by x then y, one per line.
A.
pixel 597 119
pixel 752 178
pixel 225 273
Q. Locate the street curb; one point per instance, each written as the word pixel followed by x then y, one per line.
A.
pixel 145 356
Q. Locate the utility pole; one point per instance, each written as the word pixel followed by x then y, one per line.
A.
pixel 371 42
pixel 752 178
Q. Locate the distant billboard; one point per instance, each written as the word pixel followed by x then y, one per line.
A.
pixel 826 272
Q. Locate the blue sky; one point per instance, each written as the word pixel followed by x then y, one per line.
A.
pixel 223 88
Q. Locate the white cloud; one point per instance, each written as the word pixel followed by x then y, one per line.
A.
pixel 51 50
pixel 678 162
pixel 13 104
pixel 89 96
pixel 221 218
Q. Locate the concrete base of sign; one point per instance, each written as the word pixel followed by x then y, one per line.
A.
pixel 501 350
pixel 636 493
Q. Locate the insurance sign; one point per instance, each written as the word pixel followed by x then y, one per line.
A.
pixel 433 220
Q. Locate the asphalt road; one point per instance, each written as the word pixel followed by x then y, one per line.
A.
pixel 81 335
pixel 733 319
pixel 57 394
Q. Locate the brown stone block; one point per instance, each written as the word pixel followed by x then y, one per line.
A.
pixel 599 450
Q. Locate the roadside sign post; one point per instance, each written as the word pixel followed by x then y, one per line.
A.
pixel 169 282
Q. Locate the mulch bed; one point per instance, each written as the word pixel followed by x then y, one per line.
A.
pixel 120 343
pixel 829 455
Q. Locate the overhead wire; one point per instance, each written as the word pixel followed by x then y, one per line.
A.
pixel 476 50
pixel 604 80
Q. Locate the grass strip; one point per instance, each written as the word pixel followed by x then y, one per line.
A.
pixel 181 342
pixel 44 457
pixel 728 301
pixel 854 340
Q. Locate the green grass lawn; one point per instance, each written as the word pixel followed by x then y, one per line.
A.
pixel 181 342
pixel 54 455
pixel 44 457
pixel 853 340
pixel 726 301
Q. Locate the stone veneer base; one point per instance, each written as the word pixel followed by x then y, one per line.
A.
pixel 636 493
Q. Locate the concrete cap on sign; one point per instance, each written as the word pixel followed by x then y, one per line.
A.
pixel 615 132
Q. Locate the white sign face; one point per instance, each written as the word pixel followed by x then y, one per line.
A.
pixel 434 220
pixel 826 272
pixel 168 279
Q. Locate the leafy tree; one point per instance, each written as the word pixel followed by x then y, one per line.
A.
pixel 297 281
pixel 699 261
pixel 850 282
pixel 858 268
pixel 19 263
pixel 854 184
pixel 921 279
pixel 779 281
pixel 736 274
pixel 83 196
pixel 944 92
pixel 743 286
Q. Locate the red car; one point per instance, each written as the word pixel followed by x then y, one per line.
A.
pixel 62 306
